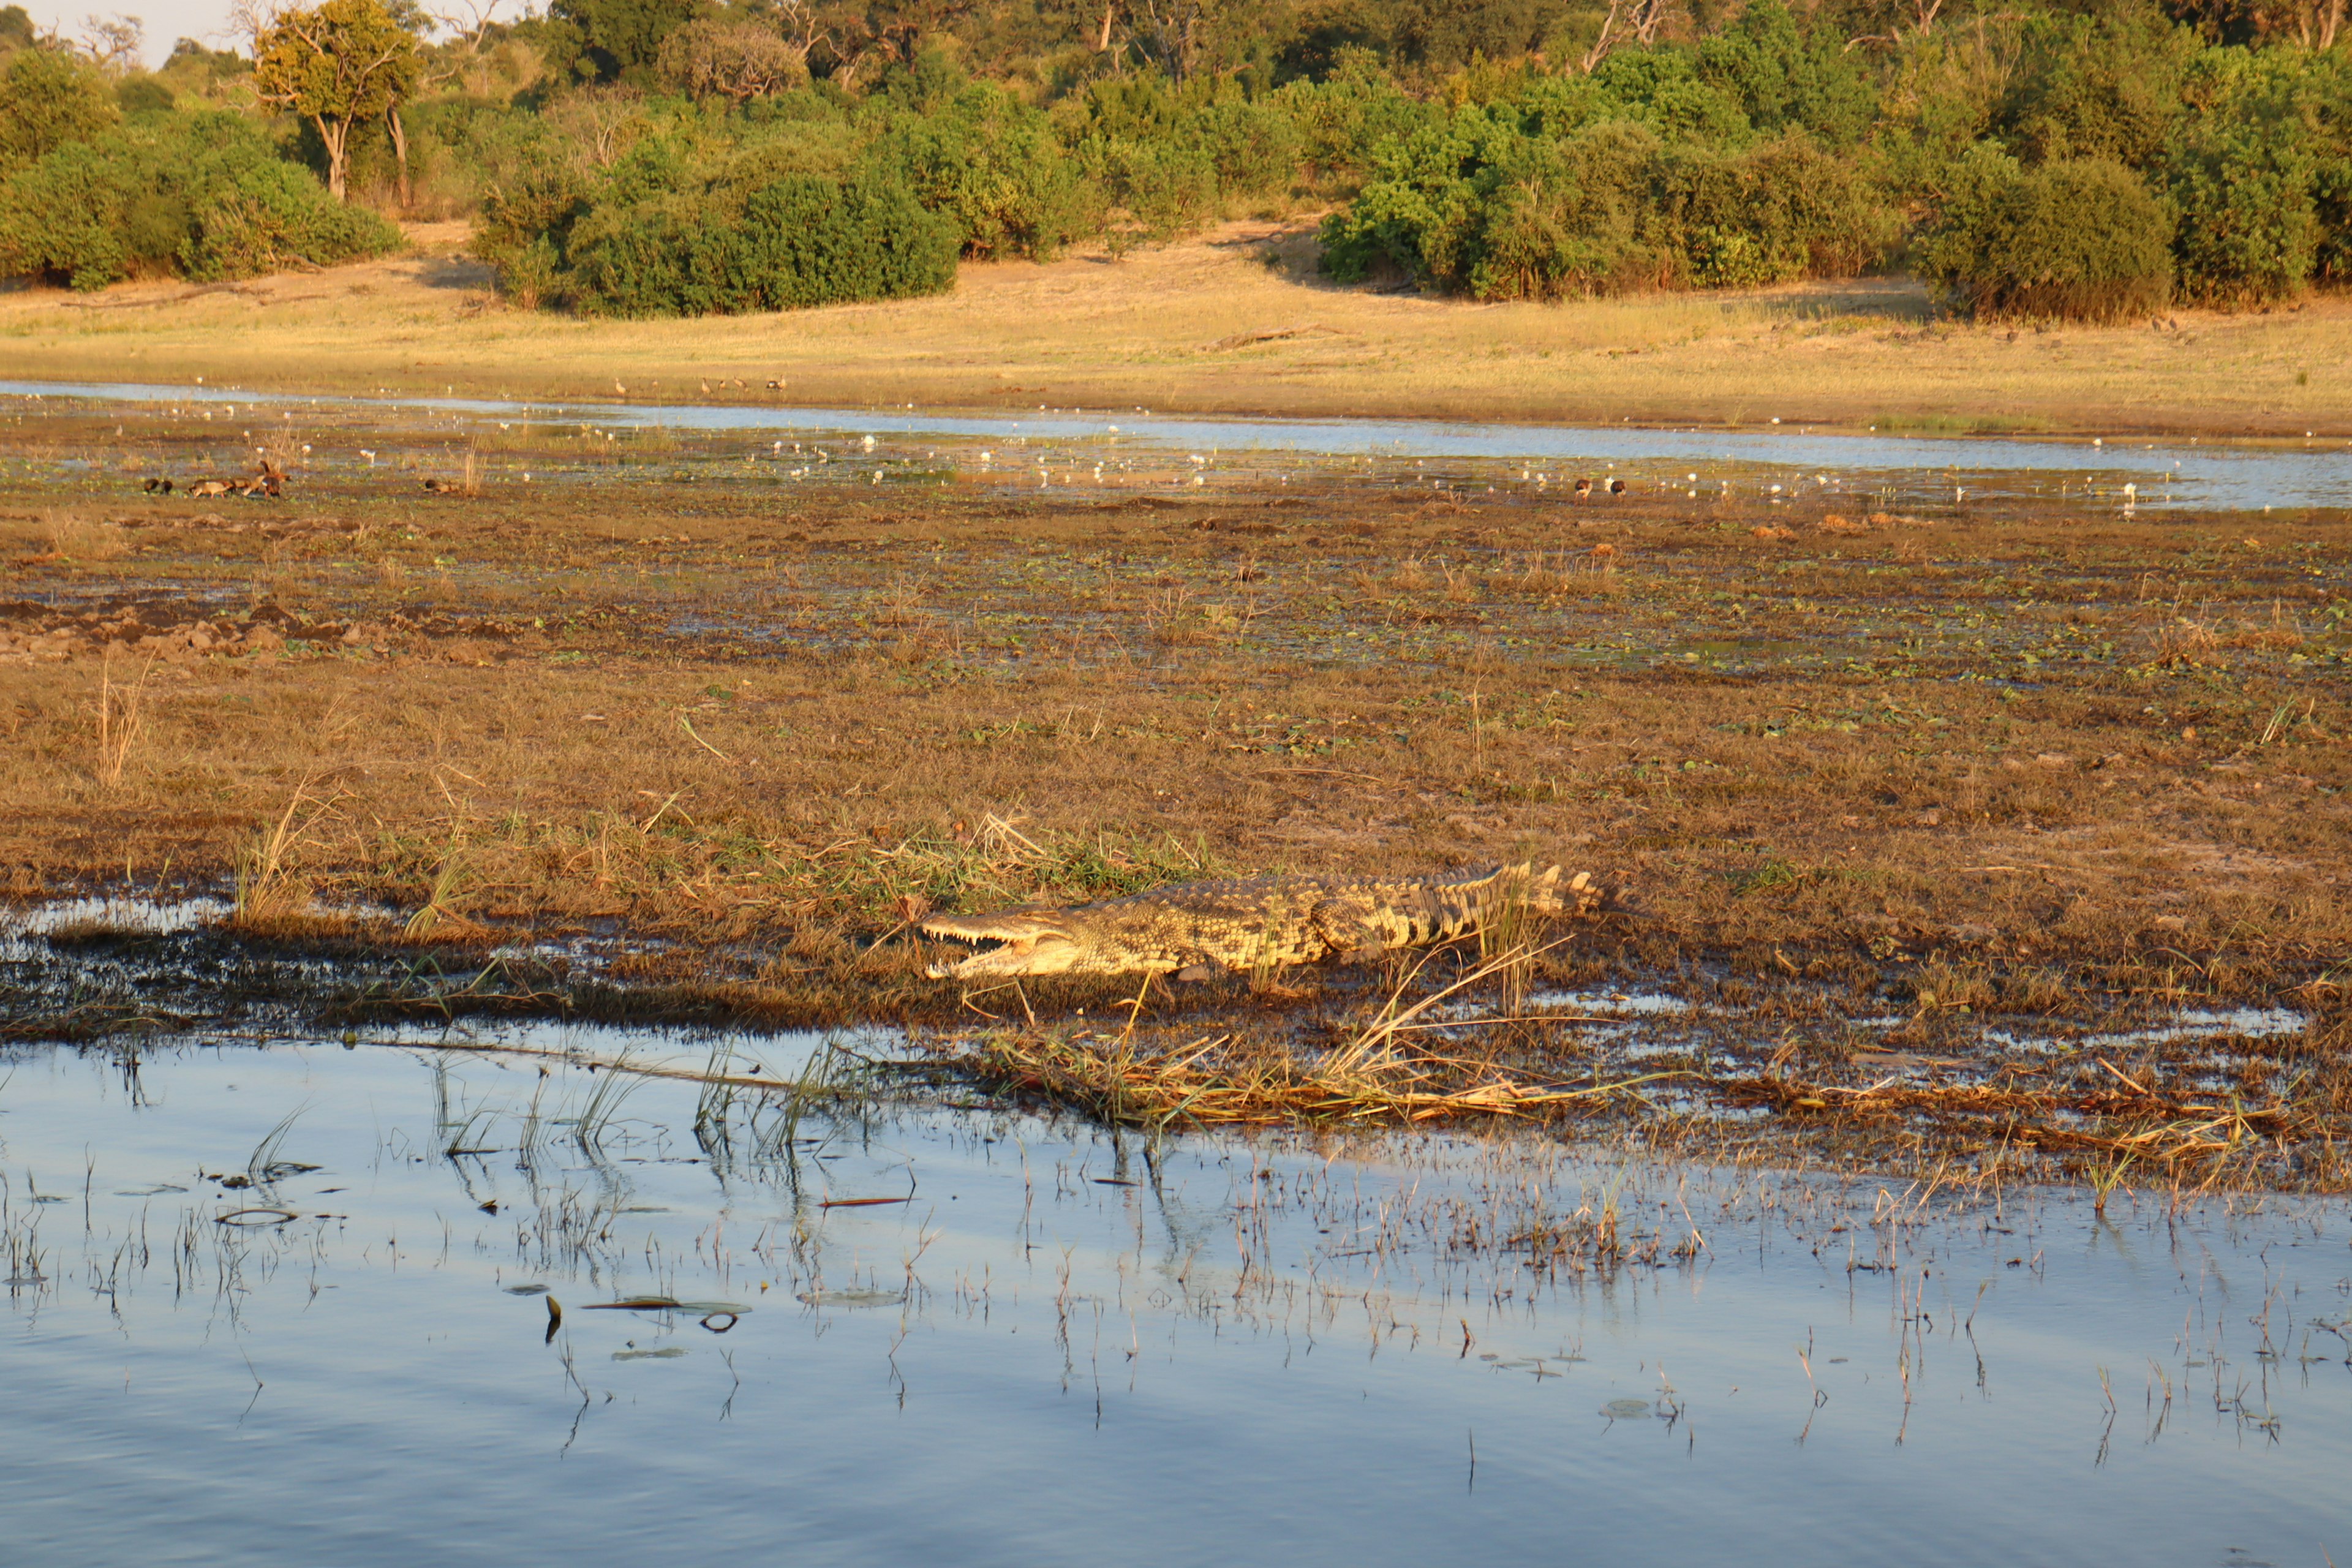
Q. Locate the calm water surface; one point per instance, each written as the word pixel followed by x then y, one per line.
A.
pixel 1067 1347
pixel 1896 469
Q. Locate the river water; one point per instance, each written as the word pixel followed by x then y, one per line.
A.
pixel 1047 1346
pixel 1871 468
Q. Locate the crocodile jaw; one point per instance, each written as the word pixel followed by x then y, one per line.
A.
pixel 1026 944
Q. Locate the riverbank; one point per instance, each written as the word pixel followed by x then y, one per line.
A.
pixel 1932 823
pixel 1236 321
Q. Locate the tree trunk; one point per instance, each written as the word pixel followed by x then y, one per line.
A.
pixel 1102 44
pixel 400 153
pixel 336 135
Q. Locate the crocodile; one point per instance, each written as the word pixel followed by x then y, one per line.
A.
pixel 1254 924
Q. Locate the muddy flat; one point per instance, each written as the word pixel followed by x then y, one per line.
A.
pixel 2000 822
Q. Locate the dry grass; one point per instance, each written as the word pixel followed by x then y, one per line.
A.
pixel 75 538
pixel 876 680
pixel 1232 1081
pixel 1950 770
pixel 1153 330
pixel 119 722
pixel 1377 1073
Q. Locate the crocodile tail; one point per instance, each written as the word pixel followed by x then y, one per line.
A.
pixel 1547 892
pixel 1520 887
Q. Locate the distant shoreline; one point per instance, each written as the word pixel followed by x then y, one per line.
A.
pixel 1234 324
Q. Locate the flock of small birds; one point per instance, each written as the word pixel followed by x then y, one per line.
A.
pixel 270 480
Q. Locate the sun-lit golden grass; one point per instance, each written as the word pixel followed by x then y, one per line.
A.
pixel 1870 788
pixel 1376 1073
pixel 1789 750
pixel 1227 1080
pixel 1145 331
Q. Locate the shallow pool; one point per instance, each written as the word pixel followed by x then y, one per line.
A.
pixel 289 1304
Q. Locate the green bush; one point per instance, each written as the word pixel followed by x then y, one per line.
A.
pixel 2079 239
pixel 1784 81
pixel 2095 88
pixel 662 241
pixel 992 165
pixel 49 98
pixel 1492 203
pixel 1778 211
pixel 1341 120
pixel 2260 171
pixel 203 195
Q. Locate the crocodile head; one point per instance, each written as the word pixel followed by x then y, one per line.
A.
pixel 1010 944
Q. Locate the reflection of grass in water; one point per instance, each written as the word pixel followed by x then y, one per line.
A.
pixel 619 1080
pixel 264 1166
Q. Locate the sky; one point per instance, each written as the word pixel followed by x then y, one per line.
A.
pixel 166 21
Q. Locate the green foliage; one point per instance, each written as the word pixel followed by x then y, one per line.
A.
pixel 2261 170
pixel 679 225
pixel 1784 81
pixel 796 241
pixel 1343 118
pixel 143 95
pixel 1538 200
pixel 1170 156
pixel 49 98
pixel 2107 86
pixel 343 60
pixel 204 196
pixel 989 163
pixel 616 40
pixel 2080 238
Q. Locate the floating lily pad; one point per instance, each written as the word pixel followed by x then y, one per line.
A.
pixel 668 1353
pixel 525 1289
pixel 1626 1409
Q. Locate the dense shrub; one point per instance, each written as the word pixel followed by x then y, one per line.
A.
pixel 49 98
pixel 797 241
pixel 1786 80
pixel 990 163
pixel 203 195
pixel 1488 203
pixel 1341 120
pixel 2260 171
pixel 768 229
pixel 1172 157
pixel 2082 238
pixel 2108 88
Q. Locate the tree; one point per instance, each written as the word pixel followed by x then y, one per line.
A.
pixel 346 61
pixel 617 41
pixel 49 97
pixel 741 60
pixel 114 42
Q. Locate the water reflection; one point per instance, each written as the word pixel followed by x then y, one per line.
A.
pixel 311 1304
